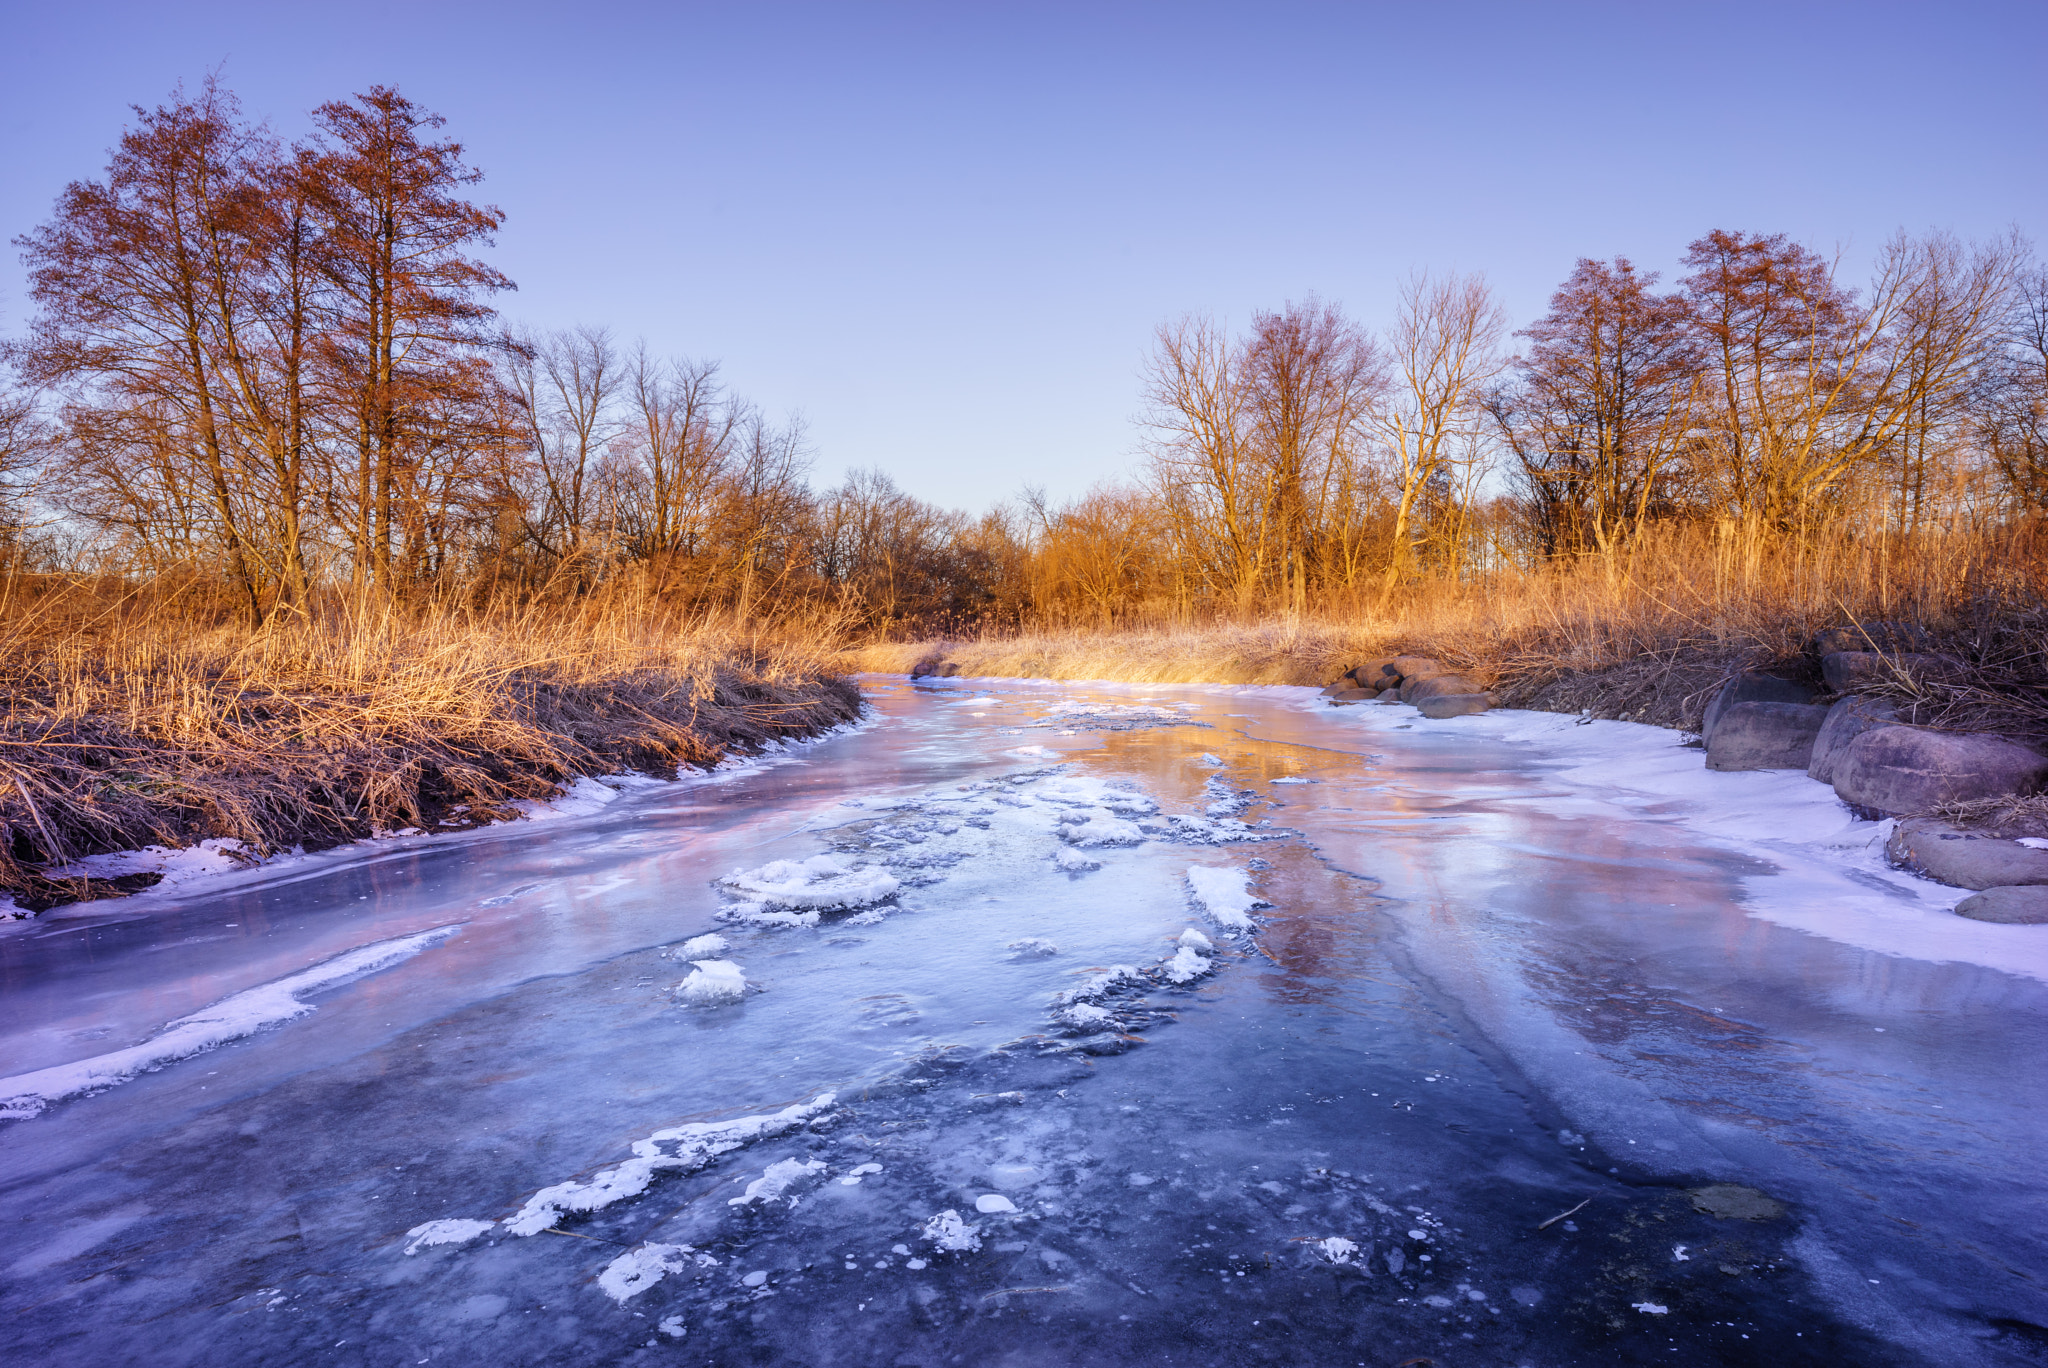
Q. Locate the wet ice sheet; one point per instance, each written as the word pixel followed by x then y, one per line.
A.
pixel 1328 1148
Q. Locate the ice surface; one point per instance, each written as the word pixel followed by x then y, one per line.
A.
pixel 823 882
pixel 713 982
pixel 1224 892
pixel 246 1013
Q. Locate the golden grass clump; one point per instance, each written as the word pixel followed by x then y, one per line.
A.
pixel 134 719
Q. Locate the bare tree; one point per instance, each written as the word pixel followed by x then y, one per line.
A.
pixel 1445 345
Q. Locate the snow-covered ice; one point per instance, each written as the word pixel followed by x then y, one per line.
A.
pixel 822 883
pixel 1224 892
pixel 712 982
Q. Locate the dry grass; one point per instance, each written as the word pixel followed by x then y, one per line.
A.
pixel 133 720
pixel 1647 634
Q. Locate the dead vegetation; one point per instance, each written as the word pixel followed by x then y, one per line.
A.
pixel 137 719
pixel 1646 634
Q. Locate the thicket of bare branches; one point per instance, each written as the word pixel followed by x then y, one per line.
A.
pixel 279 364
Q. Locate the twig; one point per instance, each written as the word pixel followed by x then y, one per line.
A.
pixel 1561 1215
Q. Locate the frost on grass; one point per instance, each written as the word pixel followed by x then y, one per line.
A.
pixel 1032 947
pixel 777 1179
pixel 445 1232
pixel 1224 892
pixel 713 982
pixel 246 1013
pixel 822 883
pixel 951 1235
pixel 637 1270
pixel 705 947
pixel 680 1149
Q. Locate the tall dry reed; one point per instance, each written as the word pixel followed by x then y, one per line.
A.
pixel 138 716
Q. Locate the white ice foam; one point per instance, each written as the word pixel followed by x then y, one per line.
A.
pixel 232 1018
pixel 823 882
pixel 1224 892
pixel 685 1149
pixel 713 982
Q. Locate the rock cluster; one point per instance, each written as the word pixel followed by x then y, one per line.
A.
pixel 1881 764
pixel 1434 690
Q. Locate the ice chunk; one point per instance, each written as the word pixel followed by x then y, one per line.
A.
pixel 1073 861
pixel 951 1234
pixel 1032 947
pixel 672 1326
pixel 993 1204
pixel 755 1278
pixel 1650 1308
pixel 1186 966
pixel 713 981
pixel 1338 1250
pixel 822 882
pixel 1087 1017
pixel 704 947
pixel 246 1013
pixel 692 1146
pixel 1100 830
pixel 445 1232
pixel 1208 761
pixel 777 1179
pixel 637 1270
pixel 858 1172
pixel 1195 940
pixel 1225 894
pixel 1292 779
pixel 759 914
pixel 1101 986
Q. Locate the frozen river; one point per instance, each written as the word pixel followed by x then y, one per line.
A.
pixel 1051 1025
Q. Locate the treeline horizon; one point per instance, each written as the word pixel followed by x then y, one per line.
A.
pixel 277 368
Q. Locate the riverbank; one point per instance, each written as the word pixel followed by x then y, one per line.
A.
pixel 128 725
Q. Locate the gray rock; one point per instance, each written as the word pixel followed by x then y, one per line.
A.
pixel 1376 674
pixel 2009 906
pixel 1751 687
pixel 1454 705
pixel 1902 771
pixel 1757 736
pixel 1733 1202
pixel 1848 719
pixel 1437 686
pixel 1416 667
pixel 1847 671
pixel 1964 859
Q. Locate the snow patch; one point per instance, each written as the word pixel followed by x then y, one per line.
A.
pixel 1338 1250
pixel 1224 892
pixel 1032 947
pixel 705 947
pixel 1073 861
pixel 713 982
pixel 445 1232
pixel 637 1270
pixel 950 1234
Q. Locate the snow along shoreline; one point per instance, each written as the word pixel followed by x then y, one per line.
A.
pixel 221 863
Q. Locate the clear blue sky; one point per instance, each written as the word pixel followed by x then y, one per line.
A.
pixel 946 232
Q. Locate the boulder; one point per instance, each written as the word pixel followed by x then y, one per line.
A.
pixel 1848 671
pixel 1757 736
pixel 1437 686
pixel 1964 859
pixel 1331 691
pixel 1848 719
pixel 1899 771
pixel 1351 696
pixel 1376 674
pixel 1751 687
pixel 2026 906
pixel 1416 667
pixel 1454 705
